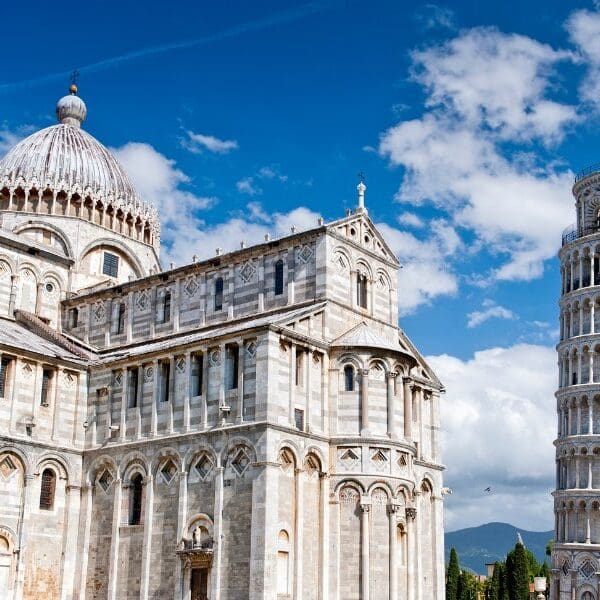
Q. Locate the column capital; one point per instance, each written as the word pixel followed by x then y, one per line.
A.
pixel 364 372
pixel 365 507
pixel 392 374
pixel 411 513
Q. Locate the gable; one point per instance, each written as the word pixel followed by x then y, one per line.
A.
pixel 360 231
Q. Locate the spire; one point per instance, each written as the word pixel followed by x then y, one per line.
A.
pixel 361 187
pixel 71 109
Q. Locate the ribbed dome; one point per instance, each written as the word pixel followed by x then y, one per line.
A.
pixel 64 158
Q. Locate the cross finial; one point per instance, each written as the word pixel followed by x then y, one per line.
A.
pixel 361 177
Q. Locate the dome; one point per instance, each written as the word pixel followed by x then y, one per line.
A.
pixel 64 158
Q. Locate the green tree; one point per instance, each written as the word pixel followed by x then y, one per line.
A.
pixel 452 576
pixel 549 547
pixel 503 582
pixel 494 584
pixel 519 575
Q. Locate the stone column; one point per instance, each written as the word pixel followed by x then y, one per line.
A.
pixel 391 405
pixel 172 388
pixel 14 286
pixel 140 400
pixel 241 359
pixel 592 317
pixel 70 554
pixel 365 556
pixel 223 354
pixel 181 522
pixel 155 398
pixel 407 409
pixel 592 275
pixel 292 398
pixel 29 501
pixel 124 402
pixel 186 391
pixel 204 391
pixel 85 546
pixel 581 318
pixel 308 386
pixel 324 498
pixel 588 531
pixel 129 318
pixel 364 404
pixel 334 379
pixel 58 376
pixel 591 367
pixel 113 568
pixel 218 528
pixel 175 307
pixel 393 524
pixel 147 544
pixel 299 527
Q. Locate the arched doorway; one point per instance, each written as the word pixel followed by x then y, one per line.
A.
pixel 587 596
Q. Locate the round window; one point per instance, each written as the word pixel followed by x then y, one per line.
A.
pixel 49 287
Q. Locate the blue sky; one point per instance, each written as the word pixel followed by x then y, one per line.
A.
pixel 469 120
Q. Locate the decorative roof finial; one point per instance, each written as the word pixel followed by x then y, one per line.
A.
pixel 71 109
pixel 361 187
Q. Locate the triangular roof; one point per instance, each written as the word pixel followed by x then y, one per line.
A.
pixel 377 244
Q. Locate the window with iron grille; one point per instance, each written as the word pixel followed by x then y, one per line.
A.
pixel 110 266
pixel 132 387
pixel 135 499
pixel 165 374
pixel 166 312
pixel 121 318
pixel 279 278
pixel 47 489
pixel 46 383
pixel 4 364
pixel 299 418
pixel 219 293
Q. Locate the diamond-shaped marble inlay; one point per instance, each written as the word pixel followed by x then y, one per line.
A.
pixel 403 460
pixel 105 480
pixel 381 282
pixel 7 467
pixel 99 311
pixel 340 263
pixel 241 462
pixel 27 371
pixel 168 471
pixel 191 287
pixel 204 466
pixel 180 365
pixel 247 272
pixel 305 254
pixel 4 269
pixel 68 380
pixel 349 455
pixel 565 568
pixel 118 378
pixel 251 349
pixel 148 373
pixel 142 300
pixel 586 569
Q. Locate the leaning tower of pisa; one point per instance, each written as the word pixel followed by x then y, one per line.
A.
pixel 576 552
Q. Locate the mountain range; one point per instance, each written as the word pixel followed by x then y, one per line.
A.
pixel 477 546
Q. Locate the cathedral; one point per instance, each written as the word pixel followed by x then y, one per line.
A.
pixel 250 426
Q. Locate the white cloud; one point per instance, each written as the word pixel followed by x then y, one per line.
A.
pixel 425 272
pixel 271 172
pixel 411 220
pixel 490 310
pixel 583 27
pixel 247 186
pixel 158 180
pixel 485 88
pixel 197 142
pixel 498 423
pixel 495 80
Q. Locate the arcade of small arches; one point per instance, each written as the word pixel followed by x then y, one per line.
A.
pixel 579 415
pixel 139 223
pixel 578 521
pixel 579 365
pixel 578 468
pixel 581 268
pixel 580 317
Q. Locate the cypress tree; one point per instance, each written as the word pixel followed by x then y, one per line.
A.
pixel 494 584
pixel 452 576
pixel 503 582
pixel 520 575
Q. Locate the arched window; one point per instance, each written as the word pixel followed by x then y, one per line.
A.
pixel 5 563
pixel 219 293
pixel 73 318
pixel 349 378
pixel 283 563
pixel 361 290
pixel 166 316
pixel 279 278
pixel 135 499
pixel 47 490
